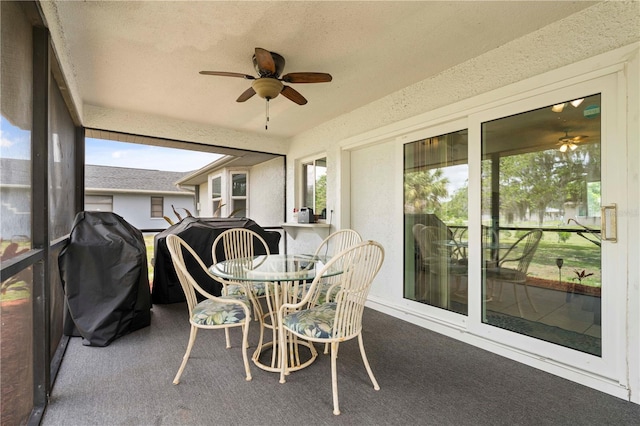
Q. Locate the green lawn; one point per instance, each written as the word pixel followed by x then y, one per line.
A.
pixel 577 254
pixel 148 241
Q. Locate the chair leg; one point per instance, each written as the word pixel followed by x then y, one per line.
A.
pixel 526 291
pixel 515 294
pixel 245 345
pixel 226 336
pixel 192 339
pixel 334 377
pixel 283 354
pixel 366 363
pixel 490 290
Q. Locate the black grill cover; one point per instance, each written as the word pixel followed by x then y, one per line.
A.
pixel 199 233
pixel 104 273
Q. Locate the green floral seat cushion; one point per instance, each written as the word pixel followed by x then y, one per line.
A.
pixel 314 322
pixel 212 312
pixel 236 289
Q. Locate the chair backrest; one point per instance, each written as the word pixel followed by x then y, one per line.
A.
pixel 360 265
pixel 238 243
pixel 337 242
pixel 177 248
pixel 425 237
pixel 522 251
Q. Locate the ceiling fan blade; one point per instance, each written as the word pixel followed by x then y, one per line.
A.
pixel 228 74
pixel 293 95
pixel 307 77
pixel 266 64
pixel 246 95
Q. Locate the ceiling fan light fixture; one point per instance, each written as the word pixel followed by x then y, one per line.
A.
pixel 576 102
pixel 558 107
pixel 568 145
pixel 267 88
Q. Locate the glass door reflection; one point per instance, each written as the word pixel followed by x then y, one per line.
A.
pixel 436 216
pixel 541 174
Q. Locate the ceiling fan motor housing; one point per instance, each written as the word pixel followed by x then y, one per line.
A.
pixel 278 61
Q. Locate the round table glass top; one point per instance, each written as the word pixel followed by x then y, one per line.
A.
pixel 274 267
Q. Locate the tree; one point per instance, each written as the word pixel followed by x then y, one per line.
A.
pixel 321 194
pixel 423 191
pixel 457 209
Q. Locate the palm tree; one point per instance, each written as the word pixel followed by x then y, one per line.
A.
pixel 423 191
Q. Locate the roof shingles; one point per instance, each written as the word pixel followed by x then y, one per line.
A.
pixel 121 179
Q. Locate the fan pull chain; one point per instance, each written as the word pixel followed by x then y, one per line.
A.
pixel 266 123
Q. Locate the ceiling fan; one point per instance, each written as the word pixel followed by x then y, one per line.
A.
pixel 269 84
pixel 569 142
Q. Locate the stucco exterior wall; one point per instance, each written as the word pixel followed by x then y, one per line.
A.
pixel 205 206
pixel 266 196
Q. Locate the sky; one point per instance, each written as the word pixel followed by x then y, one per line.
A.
pixel 120 154
pixel 15 143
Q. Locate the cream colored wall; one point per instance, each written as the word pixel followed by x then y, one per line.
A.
pixel 205 204
pixel 374 190
pixel 266 192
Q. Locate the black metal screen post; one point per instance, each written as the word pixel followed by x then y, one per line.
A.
pixel 40 220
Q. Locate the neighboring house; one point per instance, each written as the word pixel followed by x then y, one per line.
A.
pixel 141 197
pixel 249 186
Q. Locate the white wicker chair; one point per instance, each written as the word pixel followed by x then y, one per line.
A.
pixel 513 266
pixel 330 246
pixel 211 313
pixel 337 321
pixel 239 243
pixel 337 242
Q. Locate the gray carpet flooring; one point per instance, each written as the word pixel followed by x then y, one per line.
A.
pixel 425 379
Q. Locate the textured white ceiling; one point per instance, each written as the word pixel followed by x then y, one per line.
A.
pixel 144 57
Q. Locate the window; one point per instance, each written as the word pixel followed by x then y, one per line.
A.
pixel 216 195
pixel 314 176
pixel 239 194
pixel 157 206
pixel 98 203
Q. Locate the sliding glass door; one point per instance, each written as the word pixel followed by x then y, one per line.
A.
pixel 435 220
pixel 541 223
pixel 511 221
pixel 546 238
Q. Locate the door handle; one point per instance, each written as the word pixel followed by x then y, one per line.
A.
pixel 609 223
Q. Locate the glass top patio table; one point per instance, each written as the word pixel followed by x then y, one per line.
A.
pixel 287 278
pixel 274 268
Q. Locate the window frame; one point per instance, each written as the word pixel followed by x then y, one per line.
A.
pixel 233 198
pixel 152 205
pixel 311 162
